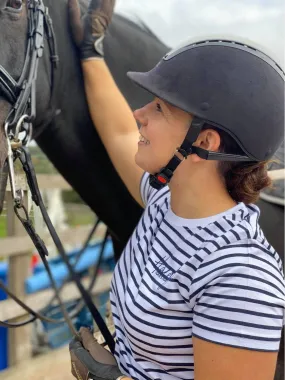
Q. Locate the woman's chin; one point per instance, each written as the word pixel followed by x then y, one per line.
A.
pixel 144 164
pixel 140 161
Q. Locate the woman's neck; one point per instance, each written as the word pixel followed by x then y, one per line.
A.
pixel 199 195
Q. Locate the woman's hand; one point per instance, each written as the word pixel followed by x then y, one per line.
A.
pixel 110 113
pixel 89 31
pixel 89 360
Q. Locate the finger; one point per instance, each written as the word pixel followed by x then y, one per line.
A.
pixel 87 338
pixel 75 344
pixel 94 5
pixel 103 7
pixel 74 14
pixel 78 368
pixel 97 352
pixel 108 8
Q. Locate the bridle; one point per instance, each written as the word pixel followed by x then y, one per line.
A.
pixel 21 95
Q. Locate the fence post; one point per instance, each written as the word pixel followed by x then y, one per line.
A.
pixel 19 340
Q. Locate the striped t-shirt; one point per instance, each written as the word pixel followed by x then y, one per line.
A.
pixel 215 278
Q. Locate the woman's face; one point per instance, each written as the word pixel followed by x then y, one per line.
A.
pixel 163 128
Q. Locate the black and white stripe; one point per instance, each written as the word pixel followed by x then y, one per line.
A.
pixel 215 278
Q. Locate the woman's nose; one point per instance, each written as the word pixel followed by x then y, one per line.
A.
pixel 140 116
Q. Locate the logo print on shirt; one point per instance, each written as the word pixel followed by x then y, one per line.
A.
pixel 162 271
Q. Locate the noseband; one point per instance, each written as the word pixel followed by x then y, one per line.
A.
pixel 22 93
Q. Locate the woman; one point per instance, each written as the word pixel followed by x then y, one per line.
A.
pixel 198 291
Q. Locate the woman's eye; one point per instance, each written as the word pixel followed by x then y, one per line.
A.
pixel 158 107
pixel 14 4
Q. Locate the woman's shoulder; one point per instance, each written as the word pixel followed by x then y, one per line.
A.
pixel 235 243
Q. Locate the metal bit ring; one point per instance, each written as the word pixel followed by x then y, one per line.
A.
pixel 19 124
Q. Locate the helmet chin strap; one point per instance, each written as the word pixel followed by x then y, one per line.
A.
pixel 163 177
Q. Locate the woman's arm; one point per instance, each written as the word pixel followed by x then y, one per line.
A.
pixel 217 362
pixel 114 123
pixel 238 313
pixel 111 114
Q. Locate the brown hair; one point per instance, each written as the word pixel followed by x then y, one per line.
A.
pixel 244 180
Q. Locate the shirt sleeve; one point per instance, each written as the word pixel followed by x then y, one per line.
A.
pixel 145 189
pixel 239 300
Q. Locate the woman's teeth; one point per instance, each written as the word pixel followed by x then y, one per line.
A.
pixel 144 140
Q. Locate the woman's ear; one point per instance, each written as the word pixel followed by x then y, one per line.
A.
pixel 210 140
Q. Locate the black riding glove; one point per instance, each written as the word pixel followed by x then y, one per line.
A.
pixel 89 360
pixel 89 31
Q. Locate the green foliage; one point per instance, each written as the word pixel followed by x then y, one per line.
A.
pixel 70 196
pixel 41 162
pixel 44 166
pixel 79 218
pixel 2 226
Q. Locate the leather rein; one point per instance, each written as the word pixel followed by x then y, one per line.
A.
pixel 21 95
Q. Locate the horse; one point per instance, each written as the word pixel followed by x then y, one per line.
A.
pixel 67 123
pixel 64 130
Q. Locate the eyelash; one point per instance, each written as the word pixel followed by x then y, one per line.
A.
pixel 158 107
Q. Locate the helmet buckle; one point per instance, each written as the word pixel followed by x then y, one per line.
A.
pixel 184 153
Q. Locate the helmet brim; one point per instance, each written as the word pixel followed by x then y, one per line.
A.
pixel 150 82
pixel 144 80
pixel 153 83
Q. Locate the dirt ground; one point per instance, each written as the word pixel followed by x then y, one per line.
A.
pixel 54 365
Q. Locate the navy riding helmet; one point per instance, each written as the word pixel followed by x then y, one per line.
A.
pixel 227 84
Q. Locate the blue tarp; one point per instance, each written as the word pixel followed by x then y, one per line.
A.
pixel 40 279
pixel 3 330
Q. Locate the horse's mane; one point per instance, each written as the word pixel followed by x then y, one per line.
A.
pixel 138 23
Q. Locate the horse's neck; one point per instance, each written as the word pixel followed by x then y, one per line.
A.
pixel 69 60
pixel 68 92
